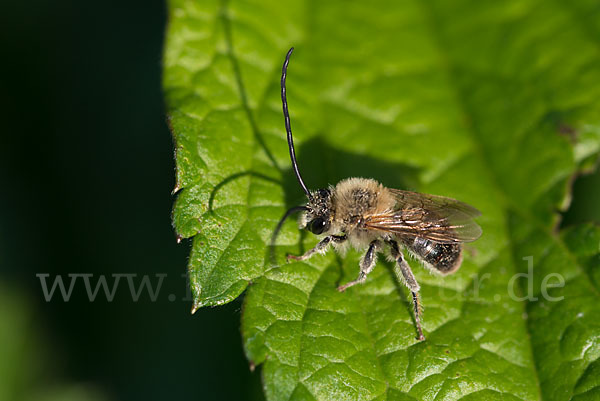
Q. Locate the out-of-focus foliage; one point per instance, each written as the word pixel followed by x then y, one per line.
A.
pixel 497 104
pixel 26 366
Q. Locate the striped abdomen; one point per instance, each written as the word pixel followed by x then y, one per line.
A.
pixel 445 258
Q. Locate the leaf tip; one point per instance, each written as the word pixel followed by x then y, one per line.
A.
pixel 195 307
pixel 176 188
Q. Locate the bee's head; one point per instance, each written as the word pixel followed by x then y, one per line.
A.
pixel 318 216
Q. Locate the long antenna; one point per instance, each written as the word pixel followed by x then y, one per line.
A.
pixel 288 126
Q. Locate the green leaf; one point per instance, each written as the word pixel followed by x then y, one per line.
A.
pixel 496 104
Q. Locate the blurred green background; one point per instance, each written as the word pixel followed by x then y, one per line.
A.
pixel 86 173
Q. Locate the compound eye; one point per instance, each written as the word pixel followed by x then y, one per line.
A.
pixel 317 226
pixel 324 193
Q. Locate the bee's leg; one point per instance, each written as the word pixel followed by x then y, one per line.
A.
pixel 321 247
pixel 367 264
pixel 411 282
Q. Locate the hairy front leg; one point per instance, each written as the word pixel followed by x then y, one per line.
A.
pixel 411 282
pixel 366 266
pixel 321 247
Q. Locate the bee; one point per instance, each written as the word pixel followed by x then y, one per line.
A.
pixel 364 214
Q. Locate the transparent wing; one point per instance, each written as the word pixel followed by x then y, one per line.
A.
pixel 433 217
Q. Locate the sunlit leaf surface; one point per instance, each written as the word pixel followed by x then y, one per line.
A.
pixel 494 103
